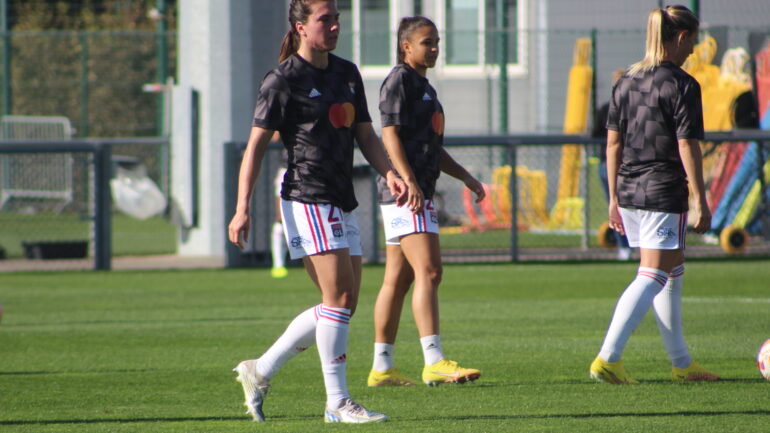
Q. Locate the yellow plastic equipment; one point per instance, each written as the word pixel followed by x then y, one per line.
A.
pixel 575 122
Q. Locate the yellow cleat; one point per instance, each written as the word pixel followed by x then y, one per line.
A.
pixel 610 372
pixel 446 371
pixel 390 377
pixel 280 272
pixel 693 373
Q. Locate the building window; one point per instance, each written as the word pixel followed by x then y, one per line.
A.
pixel 462 32
pixel 375 32
pixel 345 41
pixel 473 31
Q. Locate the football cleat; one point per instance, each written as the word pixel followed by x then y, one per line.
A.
pixel 610 372
pixel 446 371
pixel 390 377
pixel 694 372
pixel 254 388
pixel 280 272
pixel 353 413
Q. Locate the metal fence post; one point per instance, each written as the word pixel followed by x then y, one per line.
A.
pixel 84 90
pixel 6 103
pixel 233 256
pixel 586 199
pixel 513 190
pixel 103 207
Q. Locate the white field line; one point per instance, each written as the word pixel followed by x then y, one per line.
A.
pixel 722 300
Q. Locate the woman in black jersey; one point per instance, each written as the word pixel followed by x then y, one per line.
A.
pixel 654 123
pixel 413 131
pixel 316 101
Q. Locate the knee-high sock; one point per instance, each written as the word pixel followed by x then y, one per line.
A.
pixel 630 310
pixel 667 306
pixel 332 340
pixel 298 336
pixel 278 245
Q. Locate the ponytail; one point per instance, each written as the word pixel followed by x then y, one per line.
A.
pixel 662 26
pixel 289 45
pixel 299 11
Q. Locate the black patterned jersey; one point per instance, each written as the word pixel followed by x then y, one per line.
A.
pixel 409 101
pixel 651 111
pixel 316 111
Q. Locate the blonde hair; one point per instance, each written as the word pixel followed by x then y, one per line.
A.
pixel 663 25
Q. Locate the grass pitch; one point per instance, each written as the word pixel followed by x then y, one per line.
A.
pixel 153 351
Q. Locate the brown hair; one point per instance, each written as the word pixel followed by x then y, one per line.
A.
pixel 299 11
pixel 663 26
pixel 405 29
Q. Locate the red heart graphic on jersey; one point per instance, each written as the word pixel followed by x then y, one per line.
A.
pixel 341 114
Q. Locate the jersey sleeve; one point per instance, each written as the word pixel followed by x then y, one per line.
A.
pixel 393 104
pixel 362 109
pixel 271 102
pixel 688 111
pixel 613 111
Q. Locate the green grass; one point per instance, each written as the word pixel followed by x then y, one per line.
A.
pixel 130 236
pixel 153 351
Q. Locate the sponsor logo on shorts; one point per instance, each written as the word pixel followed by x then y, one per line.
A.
pixel 337 230
pixel 299 242
pixel 666 233
pixel 433 218
pixel 399 222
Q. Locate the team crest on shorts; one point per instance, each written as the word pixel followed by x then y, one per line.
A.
pixel 337 230
pixel 299 241
pixel 665 232
pixel 398 222
pixel 433 218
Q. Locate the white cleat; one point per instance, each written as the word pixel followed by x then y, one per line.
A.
pixel 353 413
pixel 254 388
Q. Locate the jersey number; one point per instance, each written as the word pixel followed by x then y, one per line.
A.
pixel 332 218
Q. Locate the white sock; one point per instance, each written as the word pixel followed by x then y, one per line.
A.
pixel 332 339
pixel 298 336
pixel 667 306
pixel 278 245
pixel 431 349
pixel 630 310
pixel 383 356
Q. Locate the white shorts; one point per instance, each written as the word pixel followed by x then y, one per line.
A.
pixel 654 230
pixel 400 221
pixel 279 180
pixel 315 228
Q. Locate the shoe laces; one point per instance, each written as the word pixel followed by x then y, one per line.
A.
pixel 353 407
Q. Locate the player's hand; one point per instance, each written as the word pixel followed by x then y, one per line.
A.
pixel 702 217
pixel 616 222
pixel 415 199
pixel 476 187
pixel 239 224
pixel 398 188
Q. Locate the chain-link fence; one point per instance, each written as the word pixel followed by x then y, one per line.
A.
pixel 56 195
pixel 559 210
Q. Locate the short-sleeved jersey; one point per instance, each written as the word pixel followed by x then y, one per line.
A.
pixel 651 111
pixel 409 101
pixel 316 111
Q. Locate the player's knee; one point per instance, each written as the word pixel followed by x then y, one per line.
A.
pixel 434 273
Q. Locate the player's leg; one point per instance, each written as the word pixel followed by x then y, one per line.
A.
pixel 655 266
pixel 423 252
pixel 387 315
pixel 667 307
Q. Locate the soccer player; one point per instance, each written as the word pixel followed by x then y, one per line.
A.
pixel 316 101
pixel 413 131
pixel 654 123
pixel 277 238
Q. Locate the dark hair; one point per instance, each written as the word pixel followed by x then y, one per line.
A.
pixel 405 29
pixel 662 26
pixel 299 11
